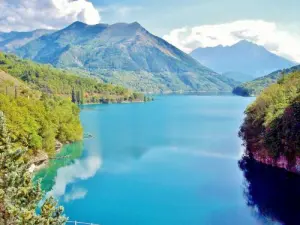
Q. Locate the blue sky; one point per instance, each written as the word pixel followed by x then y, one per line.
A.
pixel 161 16
pixel 187 24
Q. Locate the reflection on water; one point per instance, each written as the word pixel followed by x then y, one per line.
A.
pixel 48 174
pixel 172 161
pixel 80 170
pixel 64 172
pixel 272 193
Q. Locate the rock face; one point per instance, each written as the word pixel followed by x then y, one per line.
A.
pixel 41 159
pixel 281 162
pixel 38 162
pixel 58 146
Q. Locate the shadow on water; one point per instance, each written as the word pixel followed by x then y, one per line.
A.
pixel 272 193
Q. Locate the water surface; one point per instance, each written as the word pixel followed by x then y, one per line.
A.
pixel 171 161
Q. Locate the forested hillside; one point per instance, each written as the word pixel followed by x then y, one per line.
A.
pixel 36 120
pixel 49 80
pixel 271 129
pixel 256 86
pixel 36 100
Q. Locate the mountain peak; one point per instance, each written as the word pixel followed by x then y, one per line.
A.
pixel 136 24
pixel 127 54
pixel 76 25
pixel 244 57
pixel 245 42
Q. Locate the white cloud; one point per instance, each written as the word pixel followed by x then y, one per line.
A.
pixel 23 15
pixel 120 11
pixel 276 39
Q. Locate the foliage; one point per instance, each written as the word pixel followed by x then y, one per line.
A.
pixel 53 81
pixel 37 123
pixel 272 123
pixel 19 197
pixel 255 87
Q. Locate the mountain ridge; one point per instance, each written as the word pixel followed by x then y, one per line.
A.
pixel 10 41
pixel 256 86
pixel 243 57
pixel 126 54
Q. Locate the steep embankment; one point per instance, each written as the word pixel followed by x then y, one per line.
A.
pixel 271 129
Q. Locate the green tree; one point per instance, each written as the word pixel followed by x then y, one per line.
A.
pixel 19 196
pixel 16 91
pixel 81 96
pixel 78 97
pixel 73 96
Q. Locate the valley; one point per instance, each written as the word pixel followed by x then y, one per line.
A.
pixel 190 121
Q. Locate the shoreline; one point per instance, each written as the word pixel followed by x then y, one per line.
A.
pixel 108 103
pixel 41 160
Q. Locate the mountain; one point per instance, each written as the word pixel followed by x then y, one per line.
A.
pixel 125 54
pixel 13 40
pixel 244 57
pixel 256 86
pixel 238 76
pixel 51 81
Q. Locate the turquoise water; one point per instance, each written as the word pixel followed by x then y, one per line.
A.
pixel 171 161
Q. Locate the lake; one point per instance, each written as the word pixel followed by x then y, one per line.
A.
pixel 171 161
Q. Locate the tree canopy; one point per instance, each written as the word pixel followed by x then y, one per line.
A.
pixel 19 196
pixel 272 123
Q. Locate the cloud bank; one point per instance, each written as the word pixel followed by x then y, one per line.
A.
pixel 276 39
pixel 27 15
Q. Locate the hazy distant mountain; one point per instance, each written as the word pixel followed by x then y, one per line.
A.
pixel 13 40
pixel 243 57
pixel 256 86
pixel 125 54
pixel 239 76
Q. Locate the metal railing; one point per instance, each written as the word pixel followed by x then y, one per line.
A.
pixel 78 223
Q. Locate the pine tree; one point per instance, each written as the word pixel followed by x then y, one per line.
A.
pixel 19 196
pixel 73 96
pixel 78 97
pixel 16 91
pixel 81 96
pixel 4 138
